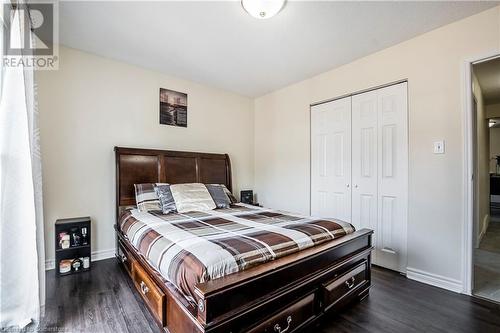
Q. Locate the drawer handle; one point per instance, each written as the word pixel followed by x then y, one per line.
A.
pixel 144 288
pixel 350 283
pixel 277 327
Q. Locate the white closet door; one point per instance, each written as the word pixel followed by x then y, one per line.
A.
pixel 331 159
pixel 379 171
pixel 392 177
pixel 364 160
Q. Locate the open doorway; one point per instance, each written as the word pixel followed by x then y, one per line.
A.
pixel 486 171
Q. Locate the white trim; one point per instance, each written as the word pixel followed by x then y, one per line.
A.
pixel 96 256
pixel 467 235
pixel 468 204
pixel 373 88
pixel 434 279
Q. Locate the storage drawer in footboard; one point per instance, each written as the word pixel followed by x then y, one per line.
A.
pixel 216 299
pixel 125 257
pixel 150 292
pixel 344 286
pixel 290 319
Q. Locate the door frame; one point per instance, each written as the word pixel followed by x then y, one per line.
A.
pixel 468 237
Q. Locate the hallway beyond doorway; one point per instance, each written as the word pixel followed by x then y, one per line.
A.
pixel 487 263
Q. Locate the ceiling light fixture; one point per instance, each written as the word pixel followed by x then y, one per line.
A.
pixel 263 9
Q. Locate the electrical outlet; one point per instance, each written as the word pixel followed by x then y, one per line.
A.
pixel 439 147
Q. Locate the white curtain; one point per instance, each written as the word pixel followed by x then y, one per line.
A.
pixel 22 257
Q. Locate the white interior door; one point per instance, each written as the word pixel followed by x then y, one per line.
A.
pixel 331 159
pixel 392 145
pixel 364 161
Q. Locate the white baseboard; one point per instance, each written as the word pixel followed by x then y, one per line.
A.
pixel 96 256
pixel 434 280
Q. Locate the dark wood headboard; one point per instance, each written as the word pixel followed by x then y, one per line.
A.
pixel 136 166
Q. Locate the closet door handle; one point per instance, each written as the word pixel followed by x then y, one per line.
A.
pixel 356 186
pixel 348 185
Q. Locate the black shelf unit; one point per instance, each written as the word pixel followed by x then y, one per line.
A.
pixel 77 249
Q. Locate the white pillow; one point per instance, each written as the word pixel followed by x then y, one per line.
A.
pixel 191 197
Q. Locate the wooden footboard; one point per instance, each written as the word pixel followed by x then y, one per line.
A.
pixel 288 294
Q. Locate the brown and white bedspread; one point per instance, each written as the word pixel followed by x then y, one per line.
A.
pixel 199 246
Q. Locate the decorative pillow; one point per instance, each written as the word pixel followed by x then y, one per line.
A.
pixel 191 197
pixel 167 202
pixel 219 195
pixel 231 197
pixel 146 198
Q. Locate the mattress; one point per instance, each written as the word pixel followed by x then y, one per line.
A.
pixel 190 248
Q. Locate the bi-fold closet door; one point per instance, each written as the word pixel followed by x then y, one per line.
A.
pixel 331 159
pixel 359 167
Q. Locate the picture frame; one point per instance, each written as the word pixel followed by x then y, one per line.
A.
pixel 173 108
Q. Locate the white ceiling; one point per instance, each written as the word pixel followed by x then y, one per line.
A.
pixel 488 75
pixel 219 44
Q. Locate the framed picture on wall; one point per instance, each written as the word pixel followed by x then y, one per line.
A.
pixel 173 108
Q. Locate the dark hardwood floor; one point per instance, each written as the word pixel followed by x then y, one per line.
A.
pixel 103 300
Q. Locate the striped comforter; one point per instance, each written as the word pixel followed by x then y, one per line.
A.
pixel 194 247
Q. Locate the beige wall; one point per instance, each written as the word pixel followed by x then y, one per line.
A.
pixel 483 167
pixel 494 147
pixel 433 63
pixel 92 104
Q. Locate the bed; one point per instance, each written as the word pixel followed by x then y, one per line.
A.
pixel 284 272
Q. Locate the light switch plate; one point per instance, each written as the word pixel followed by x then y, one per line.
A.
pixel 439 147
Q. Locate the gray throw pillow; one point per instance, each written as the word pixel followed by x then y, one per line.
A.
pixel 218 195
pixel 167 202
pixel 229 194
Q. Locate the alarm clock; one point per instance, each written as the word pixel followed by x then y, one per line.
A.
pixel 246 197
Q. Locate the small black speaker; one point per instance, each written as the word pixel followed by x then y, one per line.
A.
pixel 246 197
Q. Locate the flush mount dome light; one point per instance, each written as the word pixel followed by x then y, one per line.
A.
pixel 262 9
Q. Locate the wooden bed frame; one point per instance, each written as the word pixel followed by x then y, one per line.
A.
pixel 286 295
